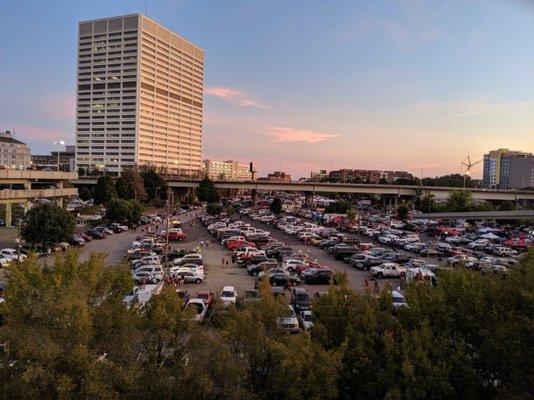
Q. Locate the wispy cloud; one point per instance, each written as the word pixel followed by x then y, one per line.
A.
pixel 462 109
pixel 284 134
pixel 235 96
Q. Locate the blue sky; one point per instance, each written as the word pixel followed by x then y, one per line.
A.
pixel 306 85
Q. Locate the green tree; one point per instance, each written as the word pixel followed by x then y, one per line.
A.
pixel 403 211
pixel 47 224
pixel 276 206
pixel 123 211
pixel 67 331
pixel 427 203
pixel 214 209
pixel 230 211
pixel 459 201
pixel 506 206
pixel 339 207
pixel 351 215
pixel 130 185
pixel 206 191
pixel 155 185
pixel 104 190
pixel 84 193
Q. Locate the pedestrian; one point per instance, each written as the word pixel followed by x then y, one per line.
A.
pixel 234 258
pixel 366 285
pixel 227 262
pixel 287 286
pixel 376 288
pixel 201 243
pixel 222 262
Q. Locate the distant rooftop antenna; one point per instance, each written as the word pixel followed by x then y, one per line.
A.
pixel 468 165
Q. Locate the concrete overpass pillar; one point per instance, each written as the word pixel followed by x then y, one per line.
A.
pixel 396 199
pixel 308 199
pixel 59 185
pixel 26 207
pixel 8 214
pixel 59 201
pixel 27 186
pixel 253 196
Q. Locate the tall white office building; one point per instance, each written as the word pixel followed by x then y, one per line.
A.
pixel 139 97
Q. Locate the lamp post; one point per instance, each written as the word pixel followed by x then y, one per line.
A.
pixel 59 144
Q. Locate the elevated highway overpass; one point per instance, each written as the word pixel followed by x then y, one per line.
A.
pixel 394 191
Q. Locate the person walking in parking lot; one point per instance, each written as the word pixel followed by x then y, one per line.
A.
pixel 376 288
pixel 222 262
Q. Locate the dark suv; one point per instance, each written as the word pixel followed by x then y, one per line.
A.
pixel 300 299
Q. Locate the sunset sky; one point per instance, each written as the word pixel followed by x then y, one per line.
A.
pixel 304 85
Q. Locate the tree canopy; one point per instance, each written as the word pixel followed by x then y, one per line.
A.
pixel 47 224
pixel 67 334
pixel 123 211
pixel 339 207
pixel 155 185
pixel 206 191
pixel 403 211
pixel 130 185
pixel 104 190
pixel 276 206
pixel 214 209
pixel 85 193
pixel 459 201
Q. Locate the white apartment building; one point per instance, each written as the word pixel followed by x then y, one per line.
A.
pixel 14 153
pixel 227 170
pixel 139 97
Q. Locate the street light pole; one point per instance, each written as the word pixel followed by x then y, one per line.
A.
pixel 59 144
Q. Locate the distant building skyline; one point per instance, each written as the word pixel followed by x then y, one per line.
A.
pixel 14 153
pixel 230 170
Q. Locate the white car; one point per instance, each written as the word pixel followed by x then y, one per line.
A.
pixel 199 307
pixel 147 277
pixel 11 254
pixel 187 258
pixel 186 267
pixel 154 268
pixel 388 270
pixel 190 276
pixel 291 265
pixel 398 299
pixel 289 322
pixel 387 239
pixel 229 295
pixel 306 319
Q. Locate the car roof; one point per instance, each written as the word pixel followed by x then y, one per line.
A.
pixel 228 288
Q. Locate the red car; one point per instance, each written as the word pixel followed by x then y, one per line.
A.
pixel 176 236
pixel 236 244
pixel 301 268
pixel 208 297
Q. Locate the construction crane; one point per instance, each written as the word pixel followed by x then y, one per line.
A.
pixel 468 164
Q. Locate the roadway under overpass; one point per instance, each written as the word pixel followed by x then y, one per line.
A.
pixel 21 187
pixel 478 215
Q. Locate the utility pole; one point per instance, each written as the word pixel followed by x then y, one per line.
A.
pixel 167 228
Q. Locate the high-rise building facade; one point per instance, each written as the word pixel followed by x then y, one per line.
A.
pixel 139 97
pixel 508 169
pixel 227 170
pixel 517 171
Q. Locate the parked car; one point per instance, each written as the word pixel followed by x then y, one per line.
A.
pixel 199 308
pixel 300 299
pixel 289 322
pixel 228 295
pixel 306 319
pixel 388 270
pixel 317 276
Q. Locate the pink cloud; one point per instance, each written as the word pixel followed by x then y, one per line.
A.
pixel 234 96
pixel 283 134
pixel 32 133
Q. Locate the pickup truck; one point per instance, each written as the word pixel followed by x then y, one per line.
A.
pixel 388 270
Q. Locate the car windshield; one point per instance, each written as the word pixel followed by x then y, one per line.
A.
pixel 398 300
pixel 302 297
pixel 227 294
pixel 308 317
